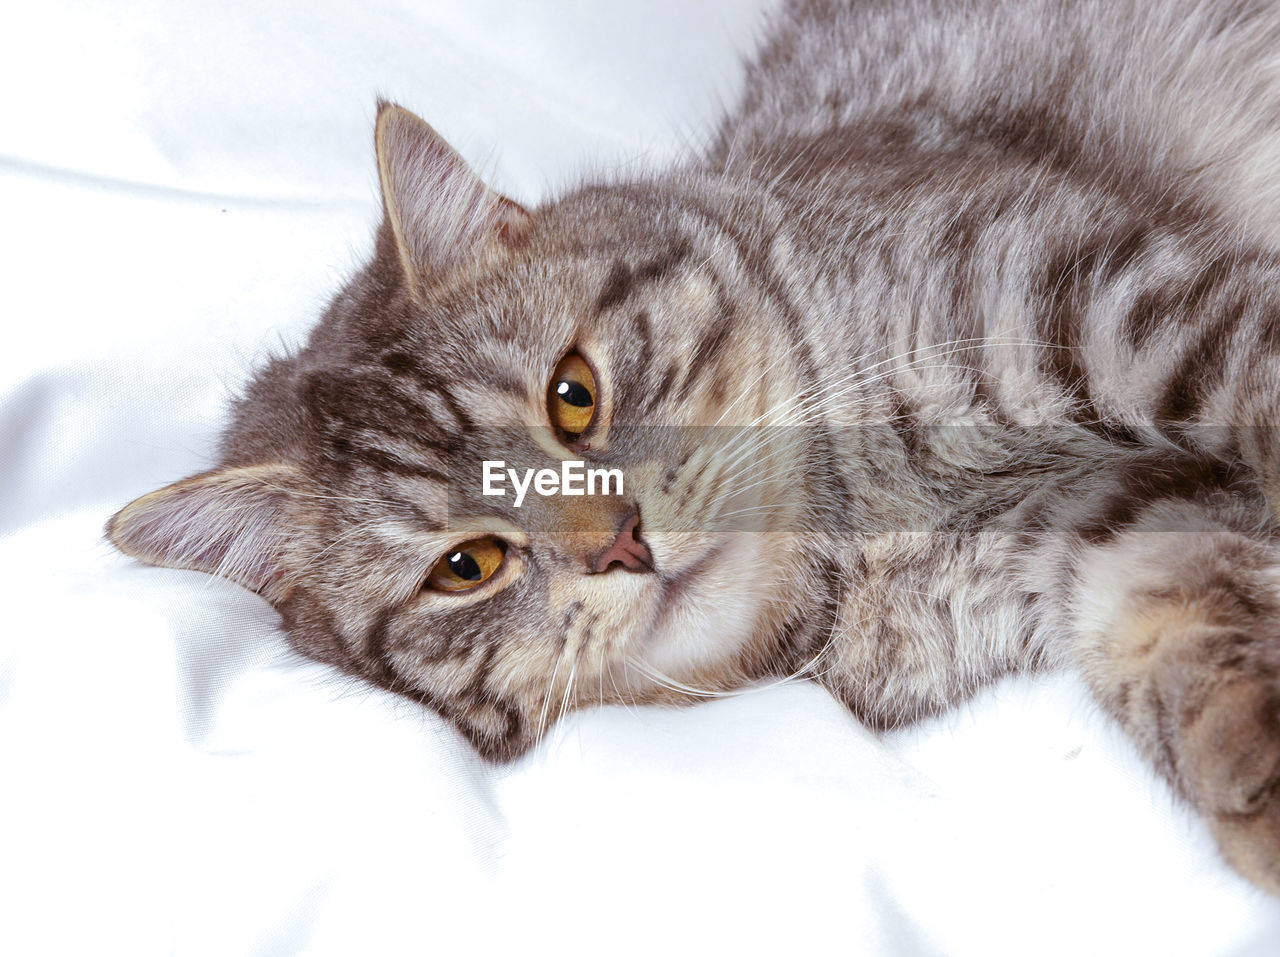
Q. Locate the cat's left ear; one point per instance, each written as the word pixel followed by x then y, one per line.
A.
pixel 441 213
pixel 232 522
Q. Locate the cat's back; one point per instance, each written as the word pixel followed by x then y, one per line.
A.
pixel 1186 89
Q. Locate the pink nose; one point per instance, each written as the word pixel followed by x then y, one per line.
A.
pixel 628 551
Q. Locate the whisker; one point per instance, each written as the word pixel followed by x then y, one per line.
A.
pixel 546 699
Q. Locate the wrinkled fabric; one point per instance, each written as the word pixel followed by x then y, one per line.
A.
pixel 183 186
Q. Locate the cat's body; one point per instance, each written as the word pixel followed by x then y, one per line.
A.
pixel 954 355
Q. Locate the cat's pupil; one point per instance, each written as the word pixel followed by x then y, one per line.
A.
pixel 574 393
pixel 464 566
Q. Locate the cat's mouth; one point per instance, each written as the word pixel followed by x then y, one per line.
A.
pixel 676 585
pixel 696 625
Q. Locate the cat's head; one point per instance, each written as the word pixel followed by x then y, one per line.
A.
pixel 621 327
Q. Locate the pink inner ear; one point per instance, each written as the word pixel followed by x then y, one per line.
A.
pixel 512 220
pixel 442 212
pixel 230 524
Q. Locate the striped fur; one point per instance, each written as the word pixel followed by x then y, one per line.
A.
pixel 956 353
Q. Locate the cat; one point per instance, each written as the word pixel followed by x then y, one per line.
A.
pixel 955 353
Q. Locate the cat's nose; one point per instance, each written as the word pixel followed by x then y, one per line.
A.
pixel 627 550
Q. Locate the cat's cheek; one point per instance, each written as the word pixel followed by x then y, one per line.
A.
pixel 499 729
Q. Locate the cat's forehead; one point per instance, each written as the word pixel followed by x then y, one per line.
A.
pixel 541 304
pixel 533 304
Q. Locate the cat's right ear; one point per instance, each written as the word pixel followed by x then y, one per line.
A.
pixel 234 523
pixel 440 212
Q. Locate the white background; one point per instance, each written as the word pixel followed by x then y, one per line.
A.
pixel 182 187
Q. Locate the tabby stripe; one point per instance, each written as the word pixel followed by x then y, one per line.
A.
pixel 1034 516
pixel 644 333
pixel 478 690
pixel 663 389
pixel 1124 253
pixel 986 395
pixel 766 280
pixel 622 281
pixel 383 460
pixel 499 379
pixel 905 426
pixel 476 687
pixel 757 266
pixel 410 380
pixel 406 404
pixel 960 235
pixel 400 363
pixel 1138 491
pixel 379 667
pixel 1174 300
pixel 433 383
pixel 1200 368
pixel 1268 339
pixel 708 347
pixel 1123 696
pixel 1230 651
pixel 410 367
pixel 668 480
pixel 381 671
pixel 803 636
pixel 658 268
pixel 378 401
pixel 720 385
pixel 616 287
pixel 1163 757
pixel 575 608
pixel 1063 285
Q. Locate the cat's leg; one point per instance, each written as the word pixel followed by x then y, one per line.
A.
pixel 1177 630
pixel 922 621
pixel 1159 578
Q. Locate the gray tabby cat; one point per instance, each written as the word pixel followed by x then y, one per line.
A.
pixel 957 354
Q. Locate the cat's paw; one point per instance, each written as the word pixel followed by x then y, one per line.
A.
pixel 1229 758
pixel 1251 844
pixel 1228 754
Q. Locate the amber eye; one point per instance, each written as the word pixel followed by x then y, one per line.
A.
pixel 468 565
pixel 571 398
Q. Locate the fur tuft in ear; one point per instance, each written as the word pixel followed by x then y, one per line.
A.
pixel 440 211
pixel 231 523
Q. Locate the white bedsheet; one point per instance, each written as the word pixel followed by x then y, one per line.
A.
pixel 182 186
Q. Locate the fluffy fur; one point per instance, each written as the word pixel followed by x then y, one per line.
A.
pixel 957 353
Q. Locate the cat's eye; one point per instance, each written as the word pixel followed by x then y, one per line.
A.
pixel 467 565
pixel 571 397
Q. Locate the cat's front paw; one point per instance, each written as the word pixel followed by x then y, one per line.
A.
pixel 1229 760
pixel 1251 843
pixel 1229 745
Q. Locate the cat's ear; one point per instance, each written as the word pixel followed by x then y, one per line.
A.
pixel 233 523
pixel 441 213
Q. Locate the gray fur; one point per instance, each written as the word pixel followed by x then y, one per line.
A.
pixel 955 354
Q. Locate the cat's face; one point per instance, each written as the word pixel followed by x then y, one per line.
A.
pixel 605 330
